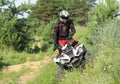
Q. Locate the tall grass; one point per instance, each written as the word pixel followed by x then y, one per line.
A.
pixel 80 31
pixel 105 66
pixel 107 34
pixel 11 57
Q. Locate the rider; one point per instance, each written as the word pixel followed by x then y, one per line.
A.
pixel 63 30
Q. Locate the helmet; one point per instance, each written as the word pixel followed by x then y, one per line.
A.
pixel 64 15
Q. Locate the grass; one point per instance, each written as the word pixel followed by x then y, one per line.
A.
pixel 46 76
pixel 104 69
pixel 11 57
pixel 80 31
pixel 12 77
pixel 36 57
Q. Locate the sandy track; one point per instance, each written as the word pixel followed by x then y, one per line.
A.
pixel 34 67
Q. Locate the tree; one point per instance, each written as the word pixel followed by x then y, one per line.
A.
pixel 15 32
pixel 45 10
pixel 104 11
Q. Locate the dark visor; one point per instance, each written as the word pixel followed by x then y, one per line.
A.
pixel 64 17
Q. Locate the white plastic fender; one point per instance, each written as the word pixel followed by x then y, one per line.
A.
pixel 78 48
pixel 64 59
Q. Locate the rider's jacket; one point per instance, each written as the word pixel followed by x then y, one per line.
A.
pixel 63 30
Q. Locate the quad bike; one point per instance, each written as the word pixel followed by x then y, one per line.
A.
pixel 72 56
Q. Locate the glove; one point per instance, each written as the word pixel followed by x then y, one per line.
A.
pixel 55 46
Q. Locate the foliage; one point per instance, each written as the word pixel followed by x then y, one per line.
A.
pixel 48 30
pixel 104 34
pixel 11 57
pixel 15 32
pixel 104 10
pixel 46 10
pixel 45 32
pixel 79 10
pixel 105 66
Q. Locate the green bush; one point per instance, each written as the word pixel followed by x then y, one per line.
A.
pixel 106 49
pixel 14 32
pixel 48 30
pixel 45 31
pixel 104 10
pixel 104 68
pixel 11 57
pixel 107 34
pixel 102 13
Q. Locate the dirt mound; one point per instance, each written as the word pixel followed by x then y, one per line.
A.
pixel 34 67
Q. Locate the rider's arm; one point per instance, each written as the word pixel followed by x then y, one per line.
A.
pixel 72 29
pixel 56 34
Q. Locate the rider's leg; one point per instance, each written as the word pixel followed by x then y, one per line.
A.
pixel 60 72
